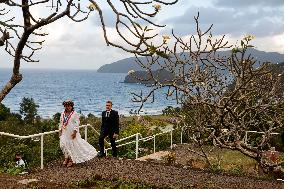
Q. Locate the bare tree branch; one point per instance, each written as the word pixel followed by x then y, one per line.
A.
pixel 222 95
pixel 21 40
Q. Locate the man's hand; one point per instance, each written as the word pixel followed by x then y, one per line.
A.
pixel 73 135
pixel 115 136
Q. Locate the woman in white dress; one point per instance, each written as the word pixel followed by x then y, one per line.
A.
pixel 74 148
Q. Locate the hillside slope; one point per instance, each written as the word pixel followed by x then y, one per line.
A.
pixel 124 65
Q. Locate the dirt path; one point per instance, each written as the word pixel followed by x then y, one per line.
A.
pixel 161 176
pixel 9 181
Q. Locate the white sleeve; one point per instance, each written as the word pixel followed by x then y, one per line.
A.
pixel 76 121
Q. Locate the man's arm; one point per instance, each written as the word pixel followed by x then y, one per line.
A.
pixel 102 120
pixel 116 125
pixel 116 129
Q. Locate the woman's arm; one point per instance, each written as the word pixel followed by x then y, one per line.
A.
pixel 76 122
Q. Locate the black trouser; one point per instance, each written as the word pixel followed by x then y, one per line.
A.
pixel 112 142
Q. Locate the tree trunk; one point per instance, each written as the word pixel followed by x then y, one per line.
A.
pixel 15 79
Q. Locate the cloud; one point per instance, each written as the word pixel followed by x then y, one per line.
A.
pixel 274 43
pixel 264 19
pixel 68 46
pixel 82 46
pixel 247 3
pixel 78 49
pixel 110 19
pixel 259 22
pixel 71 45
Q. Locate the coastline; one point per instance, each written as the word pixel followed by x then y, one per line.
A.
pixel 149 112
pixel 89 90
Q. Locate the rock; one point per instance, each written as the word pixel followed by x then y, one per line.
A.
pixel 27 181
pixel 156 156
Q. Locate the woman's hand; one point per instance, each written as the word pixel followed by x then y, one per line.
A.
pixel 73 135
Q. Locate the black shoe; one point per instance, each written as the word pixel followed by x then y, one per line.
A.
pixel 101 155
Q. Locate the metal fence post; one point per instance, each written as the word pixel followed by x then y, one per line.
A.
pixel 41 151
pixel 154 143
pixel 246 137
pixel 137 140
pixel 171 139
pixel 86 133
pixel 181 135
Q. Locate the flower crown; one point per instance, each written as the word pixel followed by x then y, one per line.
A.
pixel 68 102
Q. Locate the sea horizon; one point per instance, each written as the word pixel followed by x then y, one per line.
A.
pixel 88 89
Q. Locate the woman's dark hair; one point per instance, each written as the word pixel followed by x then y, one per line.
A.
pixel 68 102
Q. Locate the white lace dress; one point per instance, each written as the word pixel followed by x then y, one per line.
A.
pixel 77 149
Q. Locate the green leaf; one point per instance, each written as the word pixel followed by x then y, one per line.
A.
pixel 250 46
pixel 235 50
pixel 152 50
pixel 162 54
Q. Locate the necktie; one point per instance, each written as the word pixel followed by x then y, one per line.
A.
pixel 107 114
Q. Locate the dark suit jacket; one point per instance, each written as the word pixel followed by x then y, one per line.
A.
pixel 110 125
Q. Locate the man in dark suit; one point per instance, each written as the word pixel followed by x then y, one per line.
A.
pixel 110 128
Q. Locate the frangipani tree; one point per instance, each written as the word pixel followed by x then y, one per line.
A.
pixel 222 95
pixel 21 34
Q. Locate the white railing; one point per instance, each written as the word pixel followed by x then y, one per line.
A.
pixel 138 137
pixel 42 138
pixel 135 139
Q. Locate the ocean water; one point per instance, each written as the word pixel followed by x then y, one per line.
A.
pixel 88 89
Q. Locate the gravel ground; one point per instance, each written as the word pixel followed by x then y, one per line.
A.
pixel 156 174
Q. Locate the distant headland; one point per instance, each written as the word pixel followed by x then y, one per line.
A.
pixel 124 65
pixel 143 77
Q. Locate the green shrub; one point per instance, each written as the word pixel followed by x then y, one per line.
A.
pixel 216 166
pixel 4 112
pixel 28 108
pixel 238 170
pixel 11 169
pixel 30 148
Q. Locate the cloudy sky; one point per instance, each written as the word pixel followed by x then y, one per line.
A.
pixel 81 45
